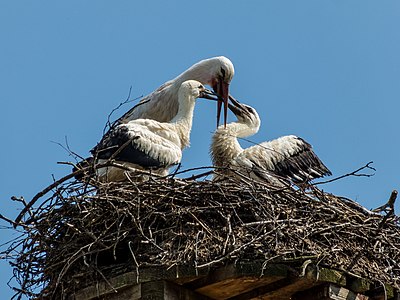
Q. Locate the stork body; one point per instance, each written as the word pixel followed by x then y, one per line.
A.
pixel 149 145
pixel 162 104
pixel 288 157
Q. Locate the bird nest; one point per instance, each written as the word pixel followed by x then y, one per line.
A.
pixel 85 233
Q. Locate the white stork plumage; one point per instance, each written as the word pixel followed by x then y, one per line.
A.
pixel 162 104
pixel 146 144
pixel 288 157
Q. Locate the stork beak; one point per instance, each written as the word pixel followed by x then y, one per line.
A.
pixel 234 101
pixel 237 108
pixel 207 94
pixel 222 89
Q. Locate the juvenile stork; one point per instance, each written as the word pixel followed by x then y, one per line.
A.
pixel 162 104
pixel 149 145
pixel 288 157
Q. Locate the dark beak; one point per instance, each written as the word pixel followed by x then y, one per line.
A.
pixel 207 94
pixel 236 107
pixel 222 89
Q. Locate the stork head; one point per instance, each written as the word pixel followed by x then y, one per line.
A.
pixel 223 72
pixel 216 72
pixel 245 114
pixel 192 89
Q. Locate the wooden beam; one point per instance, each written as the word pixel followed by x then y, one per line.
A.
pixel 236 279
pixel 182 293
pixel 328 292
pixel 267 289
pixel 163 290
pixel 311 276
pixel 242 269
pixel 123 287
pixel 231 287
pixel 239 281
pixel 114 288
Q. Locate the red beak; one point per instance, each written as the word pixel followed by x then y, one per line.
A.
pixel 222 89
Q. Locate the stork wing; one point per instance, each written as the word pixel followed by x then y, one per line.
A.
pixel 288 156
pixel 137 144
pixel 161 105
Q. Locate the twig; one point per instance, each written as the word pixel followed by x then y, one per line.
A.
pixel 44 192
pixel 8 220
pixel 68 149
pixel 201 175
pixel 389 204
pixel 108 123
pixel 354 173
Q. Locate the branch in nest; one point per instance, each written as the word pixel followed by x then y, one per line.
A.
pixel 108 123
pixel 389 204
pixel 45 191
pixel 68 149
pixel 354 173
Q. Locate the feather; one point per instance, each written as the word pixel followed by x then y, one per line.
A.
pixel 162 104
pixel 146 144
pixel 287 157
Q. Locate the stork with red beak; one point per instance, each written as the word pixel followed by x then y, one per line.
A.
pixel 162 104
pixel 146 144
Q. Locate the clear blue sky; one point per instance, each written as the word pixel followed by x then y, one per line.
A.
pixel 328 71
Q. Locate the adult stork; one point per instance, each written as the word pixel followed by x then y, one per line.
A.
pixel 162 104
pixel 148 145
pixel 288 157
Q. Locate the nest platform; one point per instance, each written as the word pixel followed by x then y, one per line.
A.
pixel 183 230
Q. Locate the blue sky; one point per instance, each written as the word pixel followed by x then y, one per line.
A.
pixel 327 71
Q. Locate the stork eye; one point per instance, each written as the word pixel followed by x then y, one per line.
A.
pixel 250 109
pixel 223 72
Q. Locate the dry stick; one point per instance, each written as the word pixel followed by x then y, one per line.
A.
pixel 229 231
pixel 65 178
pixel 201 224
pixel 8 221
pixel 194 177
pixel 354 173
pixel 272 221
pixel 192 169
pixel 44 192
pixel 134 259
pixel 234 251
pixel 26 279
pixel 176 170
pixel 389 204
pixel 108 123
pixel 73 259
pixel 132 109
pixel 392 199
pixel 67 148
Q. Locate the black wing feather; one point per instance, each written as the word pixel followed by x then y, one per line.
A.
pixel 305 164
pixel 118 144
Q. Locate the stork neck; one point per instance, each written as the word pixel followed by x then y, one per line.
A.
pixel 184 120
pixel 199 72
pixel 225 146
pixel 185 111
pixel 238 129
